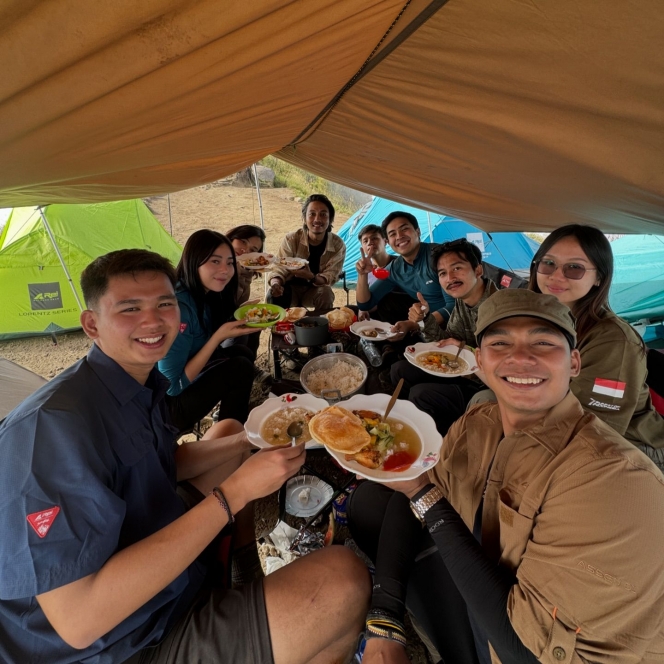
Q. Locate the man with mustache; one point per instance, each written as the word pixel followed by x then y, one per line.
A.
pixel 460 274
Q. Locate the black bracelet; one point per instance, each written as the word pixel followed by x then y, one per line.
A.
pixel 221 499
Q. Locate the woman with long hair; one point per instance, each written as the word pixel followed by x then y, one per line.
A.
pixel 202 373
pixel 575 264
pixel 246 239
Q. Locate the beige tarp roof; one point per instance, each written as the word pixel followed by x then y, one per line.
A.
pixel 511 114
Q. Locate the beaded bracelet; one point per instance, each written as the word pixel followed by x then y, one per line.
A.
pixel 221 499
pixel 381 625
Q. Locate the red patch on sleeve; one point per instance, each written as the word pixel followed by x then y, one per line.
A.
pixel 183 327
pixel 42 521
pixel 506 281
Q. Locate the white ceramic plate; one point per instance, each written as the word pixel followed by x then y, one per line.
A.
pixel 320 492
pixel 413 352
pixel 259 414
pixel 245 258
pixel 406 412
pixel 296 263
pixel 384 334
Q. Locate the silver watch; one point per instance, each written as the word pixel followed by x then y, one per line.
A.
pixel 428 500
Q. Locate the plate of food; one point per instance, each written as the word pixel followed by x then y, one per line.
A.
pixel 260 315
pixel 435 360
pixel 255 260
pixel 267 424
pixel 374 330
pixel 400 448
pixel 292 263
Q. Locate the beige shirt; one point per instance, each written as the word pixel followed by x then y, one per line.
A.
pixel 577 513
pixel 612 351
pixel 296 245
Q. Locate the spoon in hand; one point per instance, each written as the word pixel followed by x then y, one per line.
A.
pixel 294 430
pixel 454 364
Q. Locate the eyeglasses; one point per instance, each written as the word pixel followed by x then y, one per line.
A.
pixel 570 270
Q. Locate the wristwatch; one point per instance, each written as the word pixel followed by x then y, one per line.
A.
pixel 428 500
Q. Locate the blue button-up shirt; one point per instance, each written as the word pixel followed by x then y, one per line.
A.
pixel 90 457
pixel 420 277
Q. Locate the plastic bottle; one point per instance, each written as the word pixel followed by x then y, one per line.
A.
pixel 372 353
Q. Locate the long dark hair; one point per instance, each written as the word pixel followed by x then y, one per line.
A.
pixel 198 249
pixel 246 232
pixel 594 305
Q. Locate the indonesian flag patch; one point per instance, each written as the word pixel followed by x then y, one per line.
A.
pixel 42 521
pixel 611 388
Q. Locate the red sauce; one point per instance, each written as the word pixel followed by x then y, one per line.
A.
pixel 399 461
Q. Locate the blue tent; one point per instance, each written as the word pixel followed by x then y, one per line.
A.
pixel 511 251
pixel 638 277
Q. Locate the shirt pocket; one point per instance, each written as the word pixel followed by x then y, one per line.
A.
pixel 131 447
pixel 515 530
pixel 561 645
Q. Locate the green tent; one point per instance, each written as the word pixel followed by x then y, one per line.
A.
pixel 44 250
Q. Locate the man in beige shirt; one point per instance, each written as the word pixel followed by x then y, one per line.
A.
pixel 548 522
pixel 311 285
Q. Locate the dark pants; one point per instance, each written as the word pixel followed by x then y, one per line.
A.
pixel 226 378
pixel 409 568
pixel 393 307
pixel 445 399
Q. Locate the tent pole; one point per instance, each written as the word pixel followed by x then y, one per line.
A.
pixel 258 193
pixel 430 229
pixel 62 262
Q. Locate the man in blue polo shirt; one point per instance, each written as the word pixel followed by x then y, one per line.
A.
pixel 412 271
pixel 100 560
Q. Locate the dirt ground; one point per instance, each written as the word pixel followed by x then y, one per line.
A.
pixel 218 206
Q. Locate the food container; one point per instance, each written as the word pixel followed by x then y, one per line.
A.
pixel 282 327
pixel 311 330
pixel 326 363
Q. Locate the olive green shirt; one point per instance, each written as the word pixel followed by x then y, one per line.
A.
pixel 462 322
pixel 612 353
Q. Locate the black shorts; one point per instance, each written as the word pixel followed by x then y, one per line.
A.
pixel 221 625
pixel 228 626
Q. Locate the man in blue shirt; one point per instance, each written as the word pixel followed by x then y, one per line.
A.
pixel 100 561
pixel 412 271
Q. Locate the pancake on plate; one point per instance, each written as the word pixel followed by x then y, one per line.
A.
pixel 339 429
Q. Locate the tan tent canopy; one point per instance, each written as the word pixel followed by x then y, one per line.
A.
pixel 516 114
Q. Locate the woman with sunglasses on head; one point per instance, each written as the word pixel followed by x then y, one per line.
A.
pixel 202 373
pixel 575 264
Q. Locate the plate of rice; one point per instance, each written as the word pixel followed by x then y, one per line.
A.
pixel 334 376
pixel 267 424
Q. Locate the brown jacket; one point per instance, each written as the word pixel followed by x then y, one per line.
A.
pixel 577 513
pixel 296 245
pixel 612 351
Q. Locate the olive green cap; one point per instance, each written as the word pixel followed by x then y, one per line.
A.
pixel 509 303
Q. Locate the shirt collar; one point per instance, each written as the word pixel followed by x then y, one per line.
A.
pixel 489 289
pixel 556 429
pixel 121 385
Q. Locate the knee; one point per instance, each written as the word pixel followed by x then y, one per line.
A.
pixel 396 372
pixel 349 576
pixel 224 428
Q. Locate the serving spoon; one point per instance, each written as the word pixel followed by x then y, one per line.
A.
pixel 454 364
pixel 294 430
pixel 393 400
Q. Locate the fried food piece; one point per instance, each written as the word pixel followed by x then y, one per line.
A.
pixel 367 414
pixel 367 457
pixel 339 429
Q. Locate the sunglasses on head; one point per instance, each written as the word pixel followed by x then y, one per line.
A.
pixel 570 270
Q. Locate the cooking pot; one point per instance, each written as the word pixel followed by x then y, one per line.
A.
pixel 311 330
